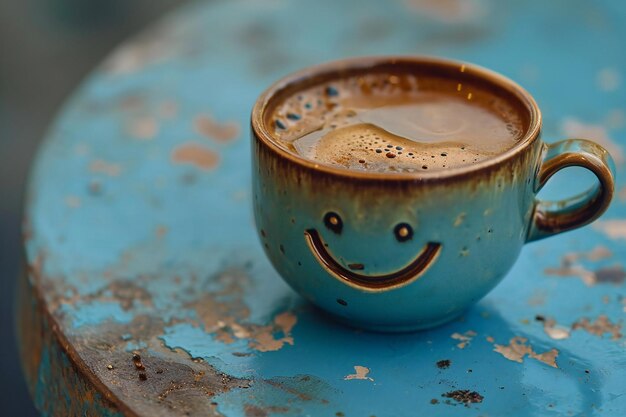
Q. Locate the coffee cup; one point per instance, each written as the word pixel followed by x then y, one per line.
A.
pixel 395 192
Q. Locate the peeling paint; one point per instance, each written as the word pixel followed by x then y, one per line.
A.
pixel 518 348
pixel 464 339
pixel 225 314
pixel 599 327
pixel 360 372
pixel 210 128
pixel 195 155
pixel 264 339
pixel 460 219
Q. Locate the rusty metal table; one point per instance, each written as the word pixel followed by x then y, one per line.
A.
pixel 147 292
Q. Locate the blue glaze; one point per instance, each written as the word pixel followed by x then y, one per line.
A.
pixel 88 241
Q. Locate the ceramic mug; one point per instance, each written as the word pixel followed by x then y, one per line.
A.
pixel 467 224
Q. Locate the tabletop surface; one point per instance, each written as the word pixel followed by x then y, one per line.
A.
pixel 148 293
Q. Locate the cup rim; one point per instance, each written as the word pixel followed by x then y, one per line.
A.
pixel 262 133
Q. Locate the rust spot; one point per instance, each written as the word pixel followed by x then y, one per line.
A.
pixel 137 361
pixel 443 364
pixel 101 166
pixel 221 132
pixel 464 396
pixel 196 155
pixel 518 348
pixel 356 267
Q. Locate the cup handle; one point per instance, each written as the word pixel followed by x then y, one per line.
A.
pixel 552 217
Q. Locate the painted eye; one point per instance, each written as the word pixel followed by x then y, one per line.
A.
pixel 403 232
pixel 333 222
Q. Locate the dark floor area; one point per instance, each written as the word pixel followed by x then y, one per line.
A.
pixel 46 48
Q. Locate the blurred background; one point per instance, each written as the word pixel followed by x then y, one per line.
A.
pixel 46 48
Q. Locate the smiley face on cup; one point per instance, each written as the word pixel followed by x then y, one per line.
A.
pixel 393 233
pixel 350 272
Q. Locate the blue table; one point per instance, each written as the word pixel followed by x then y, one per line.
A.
pixel 147 292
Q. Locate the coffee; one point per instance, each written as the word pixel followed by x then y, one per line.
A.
pixel 397 123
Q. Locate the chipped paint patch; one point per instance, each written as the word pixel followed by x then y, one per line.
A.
pixel 143 128
pixel 195 155
pixel 608 79
pixel 518 348
pixel 570 266
pixel 574 128
pixel 464 339
pixel 360 372
pixel 101 166
pixel 614 229
pixel 225 314
pixel 599 327
pixel 212 129
pixel 264 337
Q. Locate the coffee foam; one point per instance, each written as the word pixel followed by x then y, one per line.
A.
pixel 392 123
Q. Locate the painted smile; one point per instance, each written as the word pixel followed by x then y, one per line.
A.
pixel 381 282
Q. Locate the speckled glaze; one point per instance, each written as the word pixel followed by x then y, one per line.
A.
pixel 469 223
